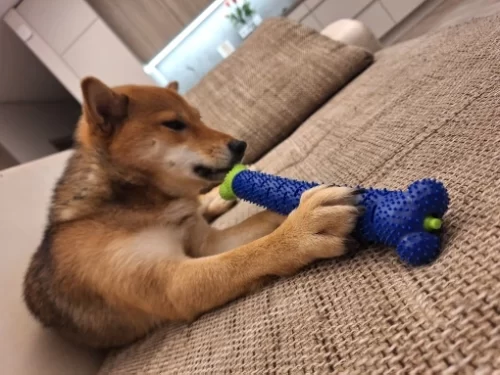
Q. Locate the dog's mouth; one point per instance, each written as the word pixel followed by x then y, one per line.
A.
pixel 211 174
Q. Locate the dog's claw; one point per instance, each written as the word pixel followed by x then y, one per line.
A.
pixel 359 191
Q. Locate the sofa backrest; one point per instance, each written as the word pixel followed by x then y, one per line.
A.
pixel 274 81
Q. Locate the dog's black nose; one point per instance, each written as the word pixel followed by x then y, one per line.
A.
pixel 237 147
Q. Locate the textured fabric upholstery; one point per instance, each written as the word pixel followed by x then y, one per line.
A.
pixel 426 108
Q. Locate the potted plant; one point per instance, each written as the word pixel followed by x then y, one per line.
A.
pixel 243 16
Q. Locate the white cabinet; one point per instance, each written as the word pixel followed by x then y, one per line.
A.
pixel 399 9
pixel 379 15
pixel 73 42
pixel 58 22
pixel 45 53
pixel 312 22
pixel 377 19
pixel 100 53
pixel 311 4
pixel 299 13
pixel 333 10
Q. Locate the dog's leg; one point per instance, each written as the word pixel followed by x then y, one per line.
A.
pixel 317 229
pixel 149 272
pixel 218 241
pixel 213 206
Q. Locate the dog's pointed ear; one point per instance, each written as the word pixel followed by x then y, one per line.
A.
pixel 103 108
pixel 173 85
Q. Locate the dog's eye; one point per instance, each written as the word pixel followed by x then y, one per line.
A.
pixel 174 125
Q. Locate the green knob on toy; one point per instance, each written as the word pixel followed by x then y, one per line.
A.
pixel 432 223
pixel 226 188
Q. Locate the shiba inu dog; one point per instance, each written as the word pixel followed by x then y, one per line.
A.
pixel 127 246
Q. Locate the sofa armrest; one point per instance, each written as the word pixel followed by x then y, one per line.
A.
pixel 352 32
pixel 26 348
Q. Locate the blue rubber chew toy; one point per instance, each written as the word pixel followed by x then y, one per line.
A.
pixel 408 220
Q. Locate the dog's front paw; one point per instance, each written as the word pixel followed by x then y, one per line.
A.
pixel 319 227
pixel 213 205
pixel 252 167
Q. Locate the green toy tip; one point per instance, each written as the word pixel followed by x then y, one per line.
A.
pixel 226 188
pixel 432 223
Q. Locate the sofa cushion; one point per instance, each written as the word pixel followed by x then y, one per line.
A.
pixel 427 108
pixel 269 86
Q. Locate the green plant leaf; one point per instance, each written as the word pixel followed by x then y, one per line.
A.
pixel 234 20
pixel 247 9
pixel 239 12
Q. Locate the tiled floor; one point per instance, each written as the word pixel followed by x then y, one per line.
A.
pixel 450 12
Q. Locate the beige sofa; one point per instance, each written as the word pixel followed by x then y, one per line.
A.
pixel 425 108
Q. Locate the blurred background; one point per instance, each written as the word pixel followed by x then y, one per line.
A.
pixel 48 46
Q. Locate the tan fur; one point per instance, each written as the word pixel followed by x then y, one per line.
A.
pixel 127 246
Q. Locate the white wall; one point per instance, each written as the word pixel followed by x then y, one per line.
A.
pixel 26 129
pixel 22 76
pixel 6 159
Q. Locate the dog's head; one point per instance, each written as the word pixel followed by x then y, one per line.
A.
pixel 153 133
